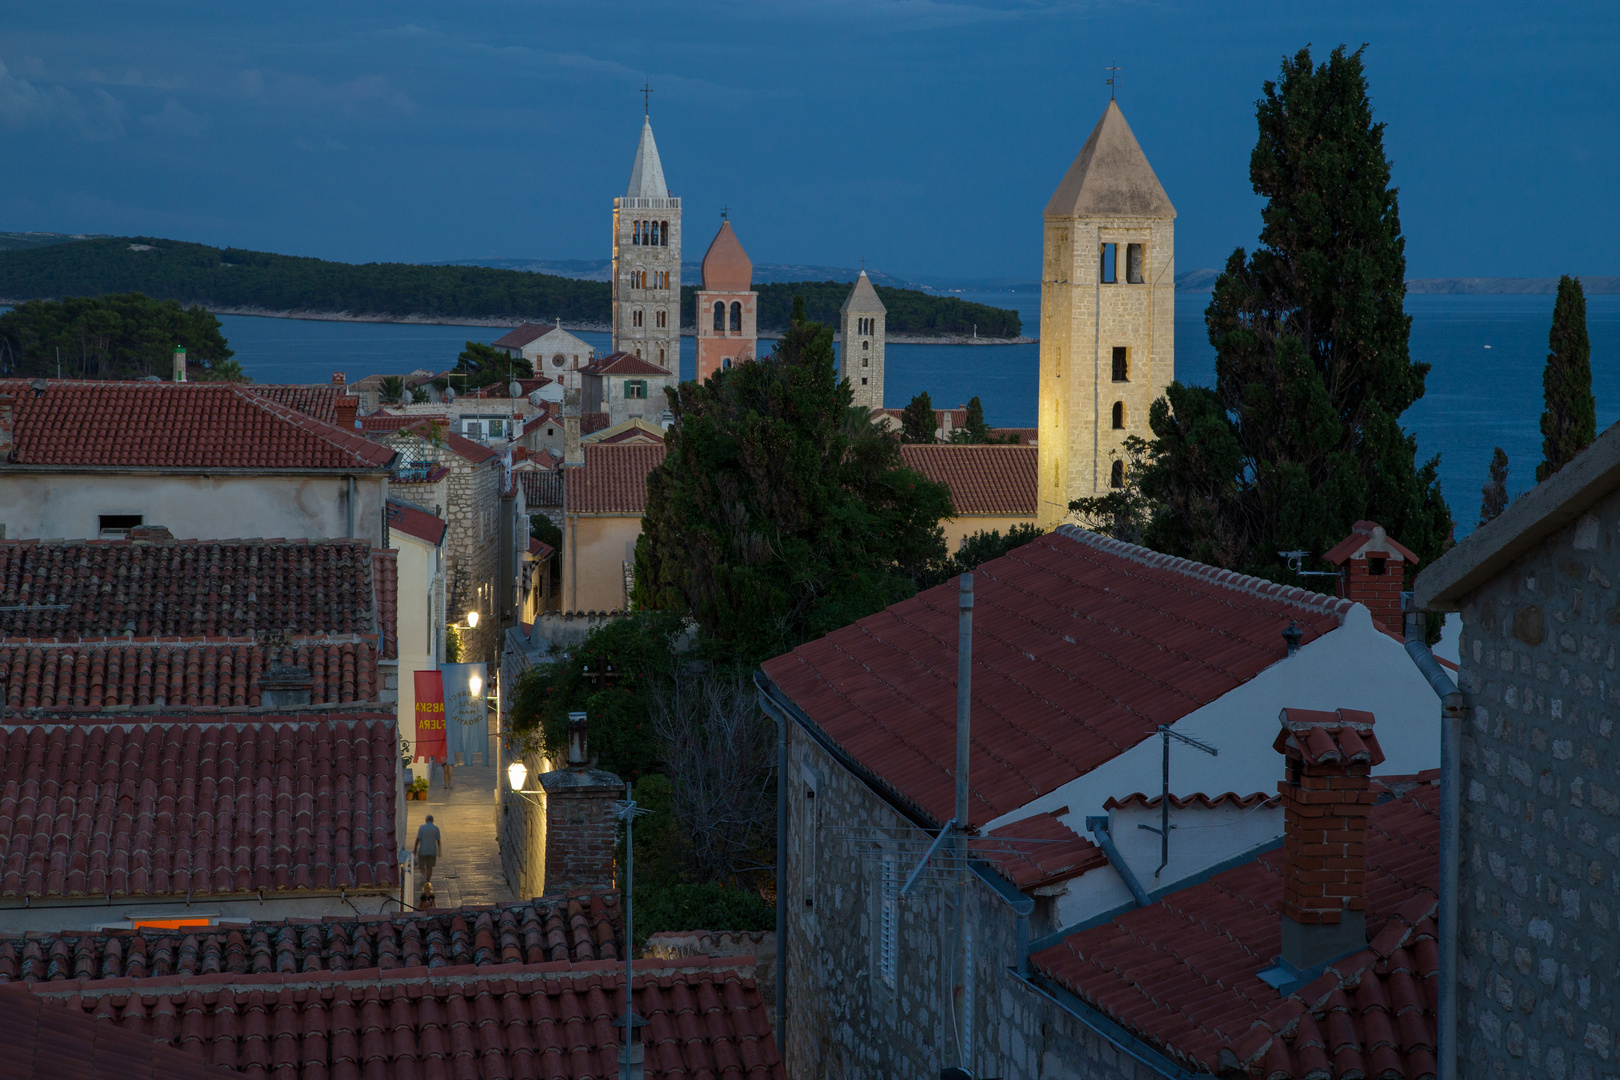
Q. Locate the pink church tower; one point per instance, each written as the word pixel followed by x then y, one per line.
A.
pixel 727 306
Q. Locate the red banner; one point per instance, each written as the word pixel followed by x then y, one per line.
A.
pixel 429 716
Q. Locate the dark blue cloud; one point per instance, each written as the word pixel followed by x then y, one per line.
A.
pixel 923 135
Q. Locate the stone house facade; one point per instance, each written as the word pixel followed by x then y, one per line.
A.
pixel 1538 927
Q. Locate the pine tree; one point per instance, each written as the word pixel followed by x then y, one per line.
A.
pixel 1569 418
pixel 917 420
pixel 1300 436
pixel 781 513
pixel 1494 495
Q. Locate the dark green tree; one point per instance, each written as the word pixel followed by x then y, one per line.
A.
pixel 917 420
pixel 391 390
pixel 1494 495
pixel 983 546
pixel 1300 436
pixel 975 430
pixel 779 514
pixel 120 336
pixel 485 365
pixel 1569 418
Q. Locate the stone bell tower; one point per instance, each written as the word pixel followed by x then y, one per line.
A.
pixel 647 262
pixel 1107 315
pixel 861 336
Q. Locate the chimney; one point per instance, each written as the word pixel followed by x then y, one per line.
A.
pixel 339 379
pixel 284 686
pixel 8 422
pixel 179 363
pixel 582 833
pixel 1372 571
pixel 573 453
pixel 1326 799
pixel 346 406
pixel 150 532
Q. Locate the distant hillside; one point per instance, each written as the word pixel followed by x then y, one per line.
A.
pixel 12 241
pixel 232 278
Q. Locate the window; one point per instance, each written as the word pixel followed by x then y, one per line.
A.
pixel 719 315
pixel 661 316
pixel 660 357
pixel 809 827
pixel 866 346
pixel 1377 566
pixel 1133 264
pixel 663 239
pixel 736 316
pixel 1116 475
pixel 866 361
pixel 635 317
pixel 888 919
pixel 635 234
pixel 725 363
pixel 655 234
pixel 557 361
pixel 1122 363
pixel 117 526
pixel 1119 416
pixel 863 380
pixel 635 388
pixel 497 428
pixel 1109 271
pixel 550 432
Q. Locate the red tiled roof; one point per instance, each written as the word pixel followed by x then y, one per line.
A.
pixel 385 587
pixel 1083 646
pixel 170 673
pixel 177 425
pixel 1026 435
pixel 1363 533
pixel 540 549
pixel 204 805
pixel 414 521
pixel 1181 802
pixel 592 422
pixel 1182 973
pixel 379 421
pixel 1039 850
pixel 319 401
pixel 622 363
pixel 581 928
pixel 193 588
pixel 996 480
pixel 613 479
pixel 522 335
pixel 542 1020
pixel 44 1040
pixel 541 487
pixel 631 434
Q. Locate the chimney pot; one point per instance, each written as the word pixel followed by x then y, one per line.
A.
pixel 346 407
pixel 339 378
pixel 577 757
pixel 1327 797
pixel 1372 569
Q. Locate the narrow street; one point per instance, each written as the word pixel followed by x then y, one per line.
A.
pixel 469 867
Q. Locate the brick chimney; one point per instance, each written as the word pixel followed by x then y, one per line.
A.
pixel 1372 571
pixel 347 404
pixel 339 379
pixel 8 424
pixel 581 831
pixel 1326 799
pixel 573 453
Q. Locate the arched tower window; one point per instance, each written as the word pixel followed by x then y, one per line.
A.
pixel 636 239
pixel 635 317
pixel 1116 475
pixel 725 364
pixel 663 235
pixel 1119 416
pixel 866 346
pixel 736 315
pixel 660 319
pixel 719 315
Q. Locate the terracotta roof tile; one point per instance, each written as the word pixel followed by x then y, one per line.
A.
pixel 205 805
pixel 1345 735
pixel 613 479
pixel 622 363
pixel 983 479
pixel 1039 850
pixel 522 335
pixel 1182 973
pixel 412 520
pixel 1181 802
pixel 319 401
pixel 48 1041
pixel 177 425
pixel 592 422
pixel 385 587
pixel 1083 646
pixel 380 421
pixel 541 487
pixel 548 1020
pixel 578 928
pixel 172 672
pixel 193 588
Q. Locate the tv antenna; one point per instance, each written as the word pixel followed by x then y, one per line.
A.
pixel 1112 82
pixel 1296 563
pixel 1164 801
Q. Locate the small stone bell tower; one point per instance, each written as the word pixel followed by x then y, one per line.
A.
pixel 861 332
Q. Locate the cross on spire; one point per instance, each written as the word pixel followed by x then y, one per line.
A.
pixel 646 97
pixel 724 212
pixel 1112 81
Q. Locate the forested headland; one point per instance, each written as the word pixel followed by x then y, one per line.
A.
pixel 236 279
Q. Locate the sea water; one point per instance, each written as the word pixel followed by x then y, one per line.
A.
pixel 1484 388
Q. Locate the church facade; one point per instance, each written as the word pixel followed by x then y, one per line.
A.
pixel 647 262
pixel 1107 316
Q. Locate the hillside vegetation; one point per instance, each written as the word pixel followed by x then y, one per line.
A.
pixel 219 278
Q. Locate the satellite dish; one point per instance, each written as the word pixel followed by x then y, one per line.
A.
pixel 514 389
pixel 535 399
pixel 449 393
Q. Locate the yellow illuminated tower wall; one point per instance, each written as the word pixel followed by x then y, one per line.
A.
pixel 1107 315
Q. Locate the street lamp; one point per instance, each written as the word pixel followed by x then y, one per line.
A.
pixel 472 620
pixel 475 684
pixel 516 773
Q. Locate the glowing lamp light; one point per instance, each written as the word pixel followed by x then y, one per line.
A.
pixel 475 684
pixel 516 773
pixel 472 620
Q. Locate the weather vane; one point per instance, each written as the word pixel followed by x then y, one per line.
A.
pixel 1113 80
pixel 646 96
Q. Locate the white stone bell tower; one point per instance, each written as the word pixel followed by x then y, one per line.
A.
pixel 647 262
pixel 861 333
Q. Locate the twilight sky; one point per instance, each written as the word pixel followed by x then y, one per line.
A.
pixel 922 134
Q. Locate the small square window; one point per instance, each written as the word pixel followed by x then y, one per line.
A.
pixel 1122 363
pixel 1376 566
pixel 117 526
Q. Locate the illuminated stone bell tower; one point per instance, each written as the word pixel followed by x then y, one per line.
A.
pixel 1107 315
pixel 647 262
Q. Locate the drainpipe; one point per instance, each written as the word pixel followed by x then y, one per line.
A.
pixel 781 882
pixel 351 507
pixel 1098 826
pixel 964 724
pixel 1453 708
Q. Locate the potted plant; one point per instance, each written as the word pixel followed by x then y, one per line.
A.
pixel 418 789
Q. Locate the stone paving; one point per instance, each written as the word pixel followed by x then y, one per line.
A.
pixel 469 866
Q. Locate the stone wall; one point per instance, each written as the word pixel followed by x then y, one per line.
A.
pixel 472 549
pixel 1539 994
pixel 523 833
pixel 845 1021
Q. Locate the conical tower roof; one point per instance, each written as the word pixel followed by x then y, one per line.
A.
pixel 726 266
pixel 1111 177
pixel 647 174
pixel 863 298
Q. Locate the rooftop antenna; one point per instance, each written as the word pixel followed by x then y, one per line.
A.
pixel 646 98
pixel 1113 80
pixel 1164 801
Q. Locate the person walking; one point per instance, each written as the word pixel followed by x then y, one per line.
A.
pixel 427 847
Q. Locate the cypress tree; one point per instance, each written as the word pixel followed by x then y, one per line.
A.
pixel 1494 495
pixel 917 420
pixel 1300 437
pixel 1569 417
